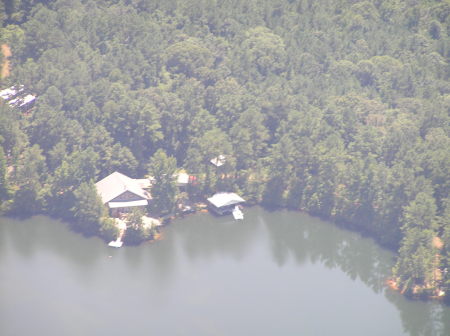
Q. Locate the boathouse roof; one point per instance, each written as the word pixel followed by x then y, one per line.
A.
pixel 223 199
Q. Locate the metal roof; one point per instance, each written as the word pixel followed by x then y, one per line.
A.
pixel 225 199
pixel 144 183
pixel 115 184
pixel 218 161
pixel 182 178
pixel 10 92
pixel 27 99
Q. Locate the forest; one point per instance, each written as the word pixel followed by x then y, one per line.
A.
pixel 339 108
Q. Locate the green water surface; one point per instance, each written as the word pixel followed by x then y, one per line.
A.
pixel 275 273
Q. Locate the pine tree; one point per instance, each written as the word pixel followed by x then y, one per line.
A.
pixel 88 209
pixel 3 182
pixel 164 191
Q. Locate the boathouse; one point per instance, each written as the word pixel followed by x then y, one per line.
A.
pixel 224 202
pixel 122 193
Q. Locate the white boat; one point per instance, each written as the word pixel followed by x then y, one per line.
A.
pixel 116 243
pixel 237 213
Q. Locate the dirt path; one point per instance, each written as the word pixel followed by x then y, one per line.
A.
pixel 6 50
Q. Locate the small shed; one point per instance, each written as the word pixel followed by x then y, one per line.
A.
pixel 219 160
pixel 182 179
pixel 224 202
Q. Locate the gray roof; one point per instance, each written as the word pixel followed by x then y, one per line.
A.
pixel 225 199
pixel 29 98
pixel 116 184
pixel 10 92
pixel 219 161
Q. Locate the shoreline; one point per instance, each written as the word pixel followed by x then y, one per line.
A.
pixel 417 293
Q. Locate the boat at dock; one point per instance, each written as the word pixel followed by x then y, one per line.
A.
pixel 237 213
pixel 116 243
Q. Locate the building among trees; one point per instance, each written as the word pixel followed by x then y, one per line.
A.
pixel 337 108
pixel 224 202
pixel 122 193
pixel 17 96
pixel 219 160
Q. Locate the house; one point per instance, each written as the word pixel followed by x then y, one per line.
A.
pixel 122 193
pixel 27 101
pixel 11 92
pixel 224 202
pixel 15 96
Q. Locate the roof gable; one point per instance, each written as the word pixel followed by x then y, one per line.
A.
pixel 116 184
pixel 126 196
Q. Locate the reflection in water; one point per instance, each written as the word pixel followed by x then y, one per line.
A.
pixel 213 275
pixel 421 318
pixel 159 257
pixel 309 239
pixel 35 235
pixel 204 237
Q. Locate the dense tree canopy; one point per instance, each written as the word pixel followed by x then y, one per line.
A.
pixel 337 107
pixel 162 171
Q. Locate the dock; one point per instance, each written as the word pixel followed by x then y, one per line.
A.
pixel 237 213
pixel 122 228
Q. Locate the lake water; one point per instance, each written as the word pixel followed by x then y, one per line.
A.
pixel 275 273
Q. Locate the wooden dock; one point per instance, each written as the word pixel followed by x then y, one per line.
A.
pixel 122 228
